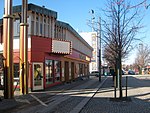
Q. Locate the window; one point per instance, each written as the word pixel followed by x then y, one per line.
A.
pixel 37 18
pixel 48 30
pixel 49 71
pixel 45 29
pixel 32 27
pixel 41 28
pixel 57 70
pixel 37 28
pixel 52 71
pixel 18 28
pixel 16 70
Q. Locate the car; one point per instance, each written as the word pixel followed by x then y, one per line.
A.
pixel 123 72
pixel 95 73
pixel 131 72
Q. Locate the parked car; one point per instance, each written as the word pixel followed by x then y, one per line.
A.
pixel 123 72
pixel 131 72
pixel 95 73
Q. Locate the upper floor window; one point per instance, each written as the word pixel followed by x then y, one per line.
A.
pixel 18 27
pixel 37 28
pixel 41 28
pixel 37 19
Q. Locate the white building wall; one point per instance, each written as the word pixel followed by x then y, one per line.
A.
pixel 77 43
pixel 92 39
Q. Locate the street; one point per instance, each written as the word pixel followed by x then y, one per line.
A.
pixel 87 96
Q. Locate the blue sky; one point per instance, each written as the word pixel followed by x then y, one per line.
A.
pixel 76 12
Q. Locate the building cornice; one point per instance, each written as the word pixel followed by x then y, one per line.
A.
pixel 36 9
pixel 69 28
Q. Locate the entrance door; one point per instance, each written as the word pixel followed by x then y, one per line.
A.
pixel 38 76
pixel 66 71
pixel 72 71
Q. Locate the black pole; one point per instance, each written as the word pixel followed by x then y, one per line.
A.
pixel 99 65
pixel 115 86
pixel 22 78
pixel 99 49
pixel 126 85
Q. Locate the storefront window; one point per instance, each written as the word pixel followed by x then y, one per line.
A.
pixel 57 70
pixel 49 71
pixel 52 71
pixel 1 71
pixel 16 70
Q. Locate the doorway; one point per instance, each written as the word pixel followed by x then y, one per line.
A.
pixel 38 76
pixel 66 71
pixel 72 71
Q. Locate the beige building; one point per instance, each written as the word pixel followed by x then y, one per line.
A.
pixel 92 39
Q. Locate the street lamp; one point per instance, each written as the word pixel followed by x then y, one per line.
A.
pixel 99 36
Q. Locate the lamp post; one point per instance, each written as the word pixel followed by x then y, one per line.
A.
pixel 99 35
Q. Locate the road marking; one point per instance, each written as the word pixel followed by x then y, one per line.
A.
pixel 37 99
pixel 23 100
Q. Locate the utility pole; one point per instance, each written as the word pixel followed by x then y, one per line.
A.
pixel 8 50
pixel 24 71
pixel 99 35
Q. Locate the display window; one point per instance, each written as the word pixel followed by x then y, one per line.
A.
pixel 57 70
pixel 52 71
pixel 49 71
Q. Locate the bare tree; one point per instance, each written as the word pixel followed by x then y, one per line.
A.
pixel 120 27
pixel 143 56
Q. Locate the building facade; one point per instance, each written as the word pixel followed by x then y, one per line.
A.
pixel 92 39
pixel 56 52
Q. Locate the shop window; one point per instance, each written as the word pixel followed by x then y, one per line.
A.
pixel 16 74
pixel 49 71
pixel 16 70
pixel 52 71
pixel 1 71
pixel 57 70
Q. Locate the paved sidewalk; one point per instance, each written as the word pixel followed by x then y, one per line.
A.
pixel 138 91
pixel 19 100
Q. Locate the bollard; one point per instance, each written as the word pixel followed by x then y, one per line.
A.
pixel 115 86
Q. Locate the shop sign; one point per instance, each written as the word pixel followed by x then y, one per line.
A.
pixel 61 47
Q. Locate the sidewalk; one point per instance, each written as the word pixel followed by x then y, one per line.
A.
pixel 7 104
pixel 103 101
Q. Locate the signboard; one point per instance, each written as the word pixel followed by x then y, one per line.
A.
pixel 62 47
